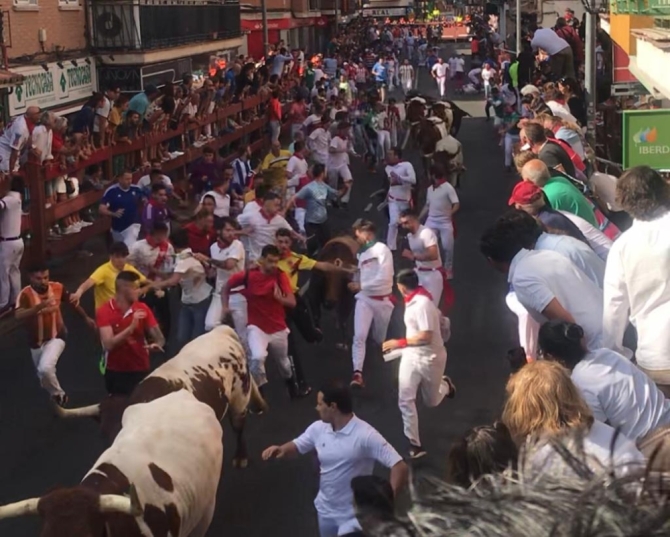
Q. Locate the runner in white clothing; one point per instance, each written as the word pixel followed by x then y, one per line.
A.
pixel 338 162
pixel 441 205
pixel 424 357
pixel 319 141
pixel 401 178
pixel 406 76
pixel 373 290
pixel 425 252
pixel 439 73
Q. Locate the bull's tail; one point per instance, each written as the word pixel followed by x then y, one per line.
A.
pixel 92 411
pixel 256 402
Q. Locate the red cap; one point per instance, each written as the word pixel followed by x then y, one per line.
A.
pixel 524 193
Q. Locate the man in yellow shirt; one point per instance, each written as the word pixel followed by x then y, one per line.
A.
pixel 277 157
pixel 103 279
pixel 299 319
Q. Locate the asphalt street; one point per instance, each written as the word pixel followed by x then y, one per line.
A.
pixel 38 452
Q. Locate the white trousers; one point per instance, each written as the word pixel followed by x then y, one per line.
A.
pixel 330 526
pixel 46 359
pixel 383 143
pixel 442 85
pixel 10 273
pixel 424 372
pixel 431 281
pixel 445 230
pixel 300 218
pixel 128 235
pixel 334 175
pixel 238 311
pixel 369 313
pixel 407 85
pixel 395 208
pixel 262 345
pixel 529 328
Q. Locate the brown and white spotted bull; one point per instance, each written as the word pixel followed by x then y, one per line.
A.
pixel 328 290
pixel 418 107
pixel 213 367
pixel 158 479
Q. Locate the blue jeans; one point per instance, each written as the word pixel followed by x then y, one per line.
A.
pixel 191 322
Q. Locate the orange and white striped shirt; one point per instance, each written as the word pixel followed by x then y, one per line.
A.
pixel 48 323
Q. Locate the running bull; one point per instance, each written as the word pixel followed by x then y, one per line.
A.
pixel 213 367
pixel 159 478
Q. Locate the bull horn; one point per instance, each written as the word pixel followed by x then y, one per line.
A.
pixel 115 503
pixel 91 411
pixel 24 507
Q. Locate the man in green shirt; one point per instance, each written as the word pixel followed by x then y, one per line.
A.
pixel 560 192
pixel 310 76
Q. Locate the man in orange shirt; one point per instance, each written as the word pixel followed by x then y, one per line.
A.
pixel 274 116
pixel 38 305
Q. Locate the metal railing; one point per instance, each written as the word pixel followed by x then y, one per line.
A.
pixel 640 7
pixel 117 25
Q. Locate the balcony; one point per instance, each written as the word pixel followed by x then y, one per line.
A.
pixel 654 8
pixel 134 26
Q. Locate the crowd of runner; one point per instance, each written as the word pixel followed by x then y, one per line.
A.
pixel 576 282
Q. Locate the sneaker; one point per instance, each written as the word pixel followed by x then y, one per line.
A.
pixel 451 385
pixel 357 380
pixel 416 452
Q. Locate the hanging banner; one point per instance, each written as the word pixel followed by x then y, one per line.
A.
pixel 646 138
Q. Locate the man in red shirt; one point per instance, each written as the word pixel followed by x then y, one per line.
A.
pixel 268 291
pixel 124 322
pixel 274 116
pixel 201 232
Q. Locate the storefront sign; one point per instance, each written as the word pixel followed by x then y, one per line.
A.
pixel 646 138
pixel 287 23
pixel 385 12
pixel 54 87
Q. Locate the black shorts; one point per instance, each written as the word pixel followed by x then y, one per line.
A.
pixel 379 84
pixel 123 382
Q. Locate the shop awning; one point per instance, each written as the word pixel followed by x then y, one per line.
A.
pixel 9 79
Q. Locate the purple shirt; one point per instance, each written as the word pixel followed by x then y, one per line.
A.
pixel 201 170
pixel 150 215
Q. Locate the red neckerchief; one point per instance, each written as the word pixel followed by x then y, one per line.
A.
pixel 260 202
pixel 162 250
pixel 30 125
pixel 265 215
pixel 419 291
pixel 286 255
pixel 439 182
pixel 155 203
pixel 299 155
pixel 223 244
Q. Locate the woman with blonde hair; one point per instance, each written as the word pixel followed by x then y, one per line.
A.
pixel 545 410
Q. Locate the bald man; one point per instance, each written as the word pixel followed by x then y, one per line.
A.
pixel 559 191
pixel 16 138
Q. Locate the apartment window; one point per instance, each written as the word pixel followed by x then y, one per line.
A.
pixel 314 5
pixel 68 3
pixel 26 4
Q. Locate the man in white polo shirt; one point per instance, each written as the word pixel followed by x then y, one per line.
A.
pixel 546 283
pixel 424 251
pixel 374 291
pixel 261 226
pixel 439 73
pixel 338 160
pixel 346 447
pixel 441 205
pixel 424 357
pixel 11 244
pixel 401 177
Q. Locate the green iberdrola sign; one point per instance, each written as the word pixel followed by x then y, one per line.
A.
pixel 646 138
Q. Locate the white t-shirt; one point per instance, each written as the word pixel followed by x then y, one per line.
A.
pixel 459 65
pixel 547 40
pixel 15 137
pixel 194 286
pixel 10 215
pixel 421 315
pixel 603 186
pixel 102 112
pixel 350 452
pixel 583 257
pixel 235 250
pixel 338 160
pixel 145 182
pixel 598 241
pixel 440 70
pixel 319 141
pixel 597 444
pixel 487 75
pixel 620 394
pixel 143 257
pixel 419 243
pixel 637 287
pixel 222 203
pixel 376 270
pixel 440 201
pixel 263 230
pixel 295 169
pixel 404 171
pixel 539 276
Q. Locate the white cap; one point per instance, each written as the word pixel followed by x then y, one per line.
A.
pixel 529 89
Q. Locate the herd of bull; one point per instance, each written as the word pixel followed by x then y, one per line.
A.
pixel 160 474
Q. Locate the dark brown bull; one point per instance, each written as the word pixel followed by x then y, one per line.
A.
pixel 212 367
pixel 329 290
